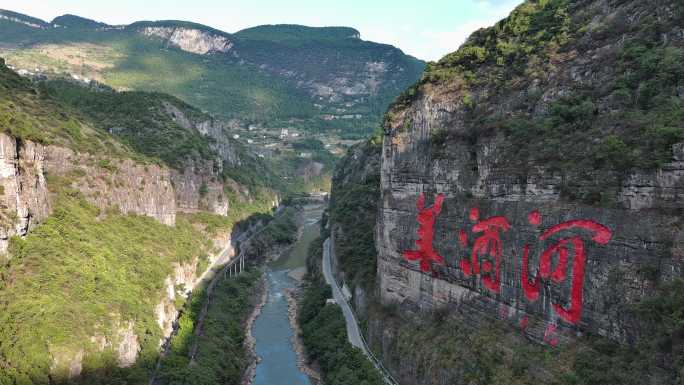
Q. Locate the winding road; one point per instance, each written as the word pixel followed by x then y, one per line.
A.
pixel 352 326
pixel 353 331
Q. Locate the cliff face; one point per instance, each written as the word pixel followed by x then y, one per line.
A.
pixel 197 185
pixel 190 39
pixel 197 148
pixel 512 187
pixel 24 191
pixel 121 183
pixel 132 188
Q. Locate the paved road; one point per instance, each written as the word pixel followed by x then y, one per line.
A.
pixel 352 327
pixel 353 332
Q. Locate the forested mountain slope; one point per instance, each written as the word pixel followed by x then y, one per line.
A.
pixel 102 233
pixel 279 75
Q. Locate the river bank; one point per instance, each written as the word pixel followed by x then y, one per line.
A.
pixel 250 341
pixel 311 369
pixel 278 344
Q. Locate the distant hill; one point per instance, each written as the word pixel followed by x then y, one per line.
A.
pixel 316 79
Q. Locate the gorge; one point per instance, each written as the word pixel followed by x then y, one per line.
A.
pixel 509 214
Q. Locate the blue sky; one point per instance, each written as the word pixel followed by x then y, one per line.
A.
pixel 427 29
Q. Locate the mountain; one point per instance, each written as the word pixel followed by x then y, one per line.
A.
pixel 529 206
pixel 313 79
pixel 112 205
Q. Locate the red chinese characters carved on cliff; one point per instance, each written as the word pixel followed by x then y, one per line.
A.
pixel 426 254
pixel 488 244
pixel 562 248
pixel 487 251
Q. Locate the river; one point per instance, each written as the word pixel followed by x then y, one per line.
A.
pixel 272 330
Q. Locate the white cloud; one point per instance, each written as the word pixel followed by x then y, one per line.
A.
pixel 440 43
pixel 432 44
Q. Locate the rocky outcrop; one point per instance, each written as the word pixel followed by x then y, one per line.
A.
pixel 190 39
pixel 184 279
pixel 198 186
pixel 198 189
pixel 143 189
pixel 127 351
pixel 67 363
pixel 23 190
pixel 468 227
pixel 218 131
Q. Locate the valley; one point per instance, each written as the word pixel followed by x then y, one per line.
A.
pixel 295 205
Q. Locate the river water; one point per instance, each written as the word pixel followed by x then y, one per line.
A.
pixel 272 330
pixel 273 336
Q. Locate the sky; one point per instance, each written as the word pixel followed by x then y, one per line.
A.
pixel 427 29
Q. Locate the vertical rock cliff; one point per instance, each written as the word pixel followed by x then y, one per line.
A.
pixel 508 198
pixel 24 191
pixel 132 188
pixel 529 224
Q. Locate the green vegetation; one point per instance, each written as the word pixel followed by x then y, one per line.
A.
pixel 532 29
pixel 626 121
pixel 282 230
pixel 647 124
pixel 28 114
pixel 325 334
pixel 496 353
pixel 657 353
pixel 296 257
pixel 221 357
pixel 139 119
pixel 492 353
pixel 82 274
pixel 150 124
pixel 83 277
pixel 353 209
pixel 249 86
